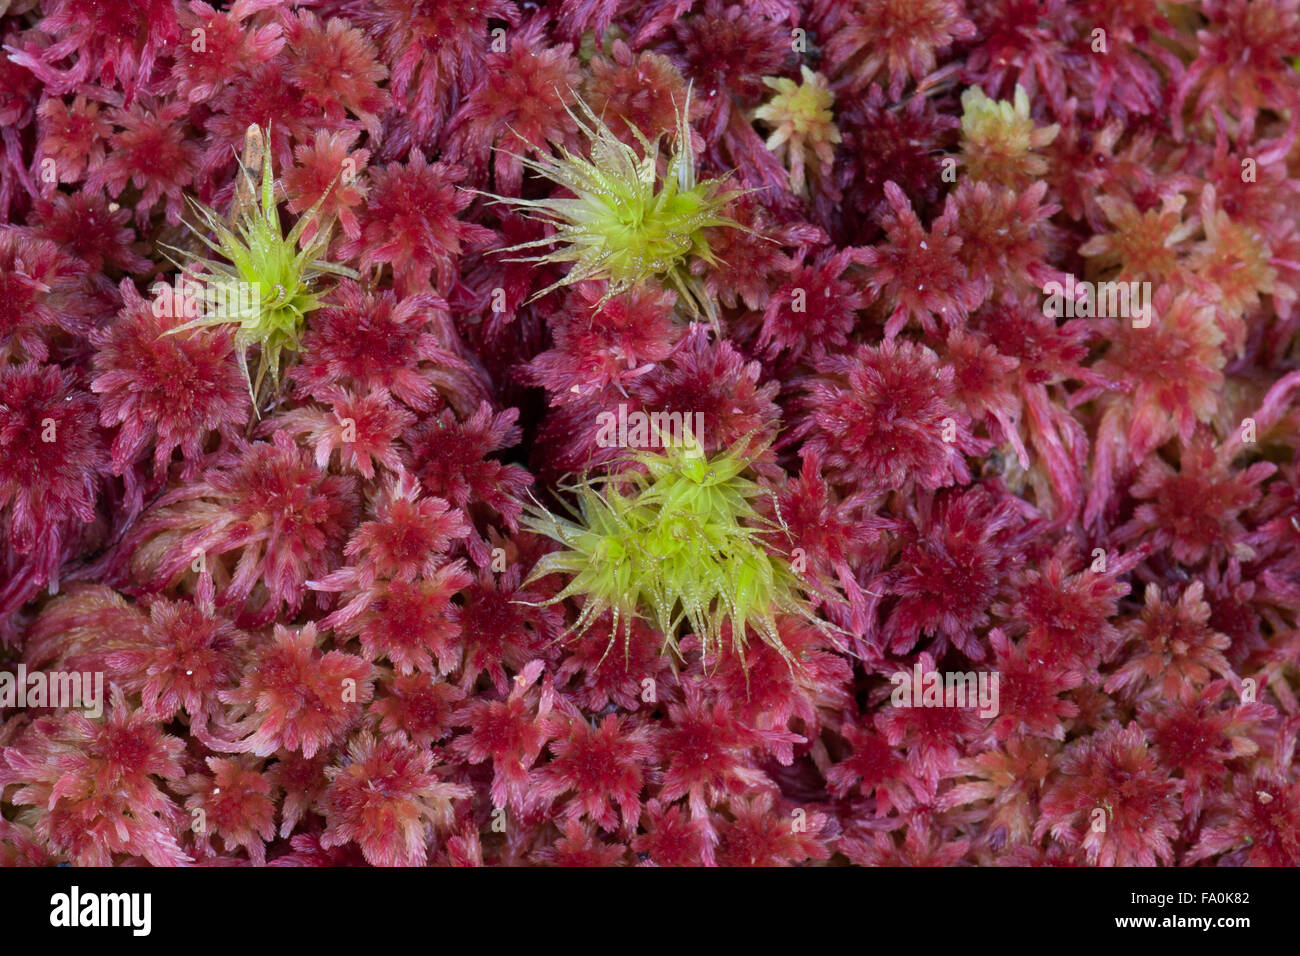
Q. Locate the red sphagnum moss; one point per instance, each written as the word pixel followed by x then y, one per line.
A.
pixel 316 619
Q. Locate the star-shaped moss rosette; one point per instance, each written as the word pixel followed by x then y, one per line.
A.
pixel 1000 140
pixel 676 541
pixel 269 281
pixel 624 223
pixel 803 134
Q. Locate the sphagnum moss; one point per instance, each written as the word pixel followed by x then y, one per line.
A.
pixel 677 541
pixel 271 279
pixel 625 223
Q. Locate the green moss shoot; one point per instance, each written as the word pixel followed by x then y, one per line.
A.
pixel 268 281
pixel 678 542
pixel 625 223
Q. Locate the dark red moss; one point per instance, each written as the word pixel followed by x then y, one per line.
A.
pixel 317 620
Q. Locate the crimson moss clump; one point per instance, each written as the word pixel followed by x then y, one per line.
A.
pixel 304 542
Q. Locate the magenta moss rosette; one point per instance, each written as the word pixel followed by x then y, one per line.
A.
pixel 680 432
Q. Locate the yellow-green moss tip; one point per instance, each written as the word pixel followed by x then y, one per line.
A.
pixel 803 125
pixel 999 138
pixel 678 542
pixel 626 224
pixel 267 282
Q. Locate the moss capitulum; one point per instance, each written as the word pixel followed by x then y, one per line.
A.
pixel 271 278
pixel 625 223
pixel 675 540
